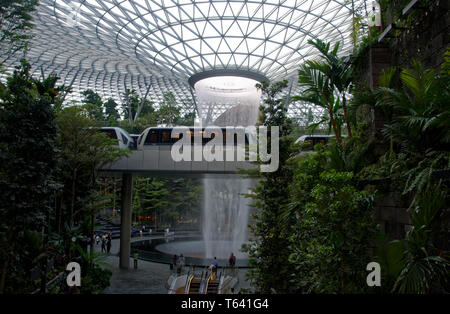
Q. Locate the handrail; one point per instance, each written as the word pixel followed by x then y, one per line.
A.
pixel 57 277
pixel 187 288
pixel 207 284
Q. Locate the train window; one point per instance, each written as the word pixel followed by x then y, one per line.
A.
pixel 152 137
pixel 165 136
pixel 124 139
pixel 236 136
pixel 205 140
pixel 111 133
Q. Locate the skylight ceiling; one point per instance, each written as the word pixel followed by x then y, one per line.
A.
pixel 112 45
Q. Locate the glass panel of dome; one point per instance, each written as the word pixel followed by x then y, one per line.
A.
pixel 287 40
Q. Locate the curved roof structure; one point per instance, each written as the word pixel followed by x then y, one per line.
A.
pixel 156 46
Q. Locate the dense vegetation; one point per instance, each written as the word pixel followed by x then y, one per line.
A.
pixel 315 219
pixel 49 153
pixel 315 228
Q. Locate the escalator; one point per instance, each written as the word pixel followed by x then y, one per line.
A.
pixel 212 286
pixel 194 285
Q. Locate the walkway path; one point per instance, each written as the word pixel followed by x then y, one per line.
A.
pixel 149 278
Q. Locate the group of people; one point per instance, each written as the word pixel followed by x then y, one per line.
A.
pixel 106 242
pixel 178 263
pixel 142 231
pixel 215 264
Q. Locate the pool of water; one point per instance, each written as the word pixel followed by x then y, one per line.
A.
pixel 193 248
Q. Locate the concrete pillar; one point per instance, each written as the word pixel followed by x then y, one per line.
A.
pixel 125 220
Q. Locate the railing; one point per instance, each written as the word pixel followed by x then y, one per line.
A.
pixel 57 280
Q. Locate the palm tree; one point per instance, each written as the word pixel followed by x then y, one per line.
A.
pixel 420 107
pixel 327 82
pixel 319 91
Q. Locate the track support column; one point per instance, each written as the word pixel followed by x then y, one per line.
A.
pixel 125 220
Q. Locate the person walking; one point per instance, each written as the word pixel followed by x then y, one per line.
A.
pixel 97 239
pixel 215 264
pixel 103 244
pixel 180 264
pixel 232 260
pixel 108 245
pixel 173 265
pixel 135 259
pixel 232 263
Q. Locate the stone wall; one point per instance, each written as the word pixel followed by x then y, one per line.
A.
pixel 392 215
pixel 423 34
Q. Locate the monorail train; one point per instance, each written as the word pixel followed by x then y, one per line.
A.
pixel 116 133
pixel 157 143
pixel 309 141
pixel 161 136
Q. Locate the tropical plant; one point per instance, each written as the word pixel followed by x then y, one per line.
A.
pixel 27 163
pixel 268 251
pixel 327 83
pixel 333 230
pixel 421 108
pixel 15 26
pixel 425 265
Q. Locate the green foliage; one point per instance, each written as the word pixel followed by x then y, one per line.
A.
pixel 15 25
pixel 168 110
pixel 268 252
pixel 167 198
pixel 425 265
pixel 82 150
pixel 415 102
pixel 326 82
pixel 334 228
pixel 92 105
pixel 134 106
pixel 27 162
pixel 95 281
pixel 111 112
pixel 421 106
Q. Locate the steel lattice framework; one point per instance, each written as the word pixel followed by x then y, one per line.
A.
pixel 156 46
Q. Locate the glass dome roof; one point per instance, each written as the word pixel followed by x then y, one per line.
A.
pixel 156 46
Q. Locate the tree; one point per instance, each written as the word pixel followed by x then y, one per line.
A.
pixel 15 25
pixel 420 105
pixel 27 162
pixel 268 252
pixel 168 110
pixel 187 120
pixel 327 82
pixel 93 105
pixel 111 112
pixel 134 106
pixel 82 151
pixel 333 230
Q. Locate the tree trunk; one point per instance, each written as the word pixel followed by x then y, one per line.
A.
pixel 72 207
pixel 333 124
pixel 344 106
pixel 60 200
pixel 114 197
pixel 91 249
pixel 72 201
pixel 6 261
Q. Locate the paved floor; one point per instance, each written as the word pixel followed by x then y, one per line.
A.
pixel 149 278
